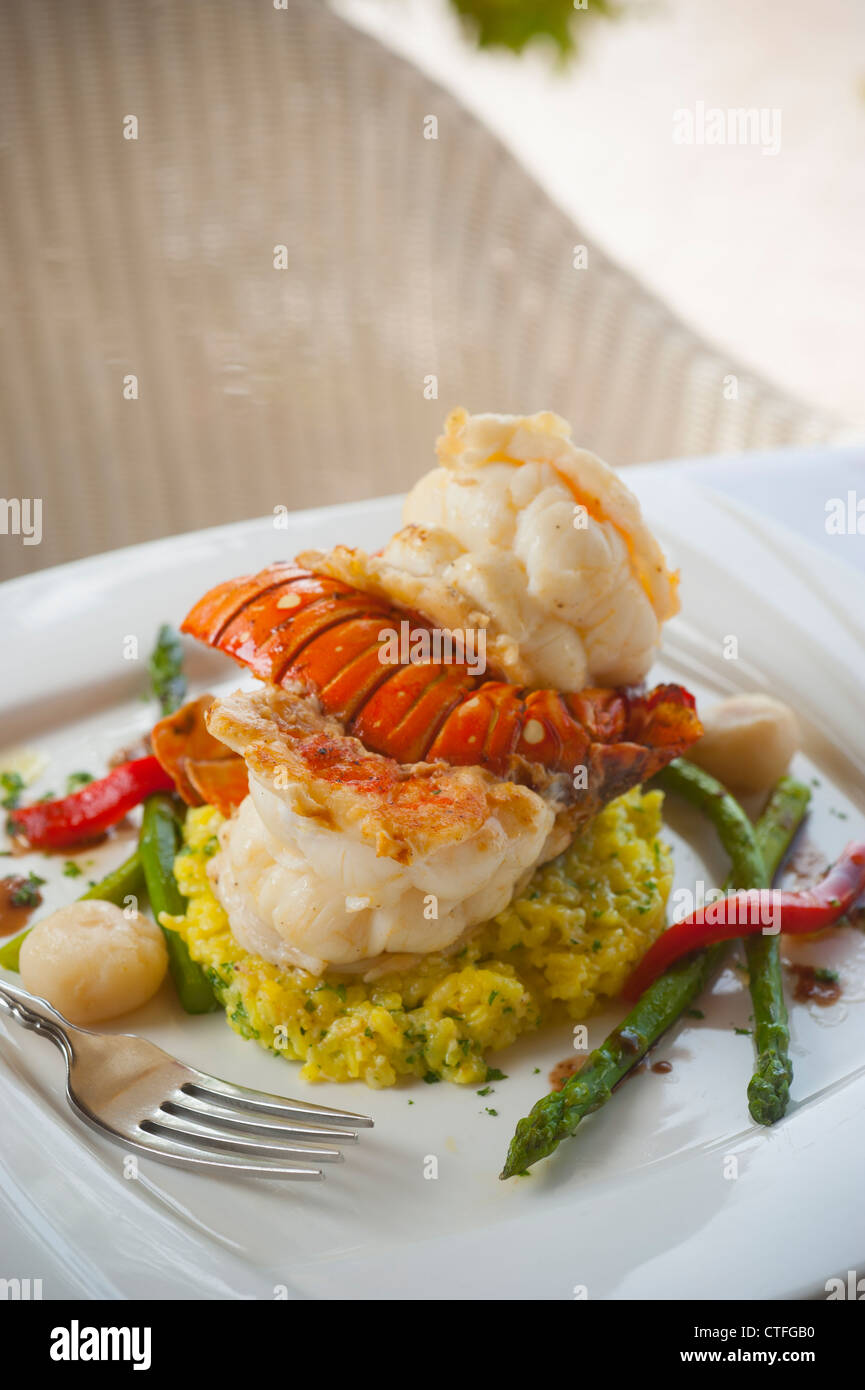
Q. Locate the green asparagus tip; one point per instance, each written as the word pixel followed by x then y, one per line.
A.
pixel 769 1089
pixel 537 1134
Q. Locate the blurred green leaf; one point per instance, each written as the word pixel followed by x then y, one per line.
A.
pixel 515 23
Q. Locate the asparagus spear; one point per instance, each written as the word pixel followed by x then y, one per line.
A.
pixel 158 846
pixel 755 854
pixel 769 1087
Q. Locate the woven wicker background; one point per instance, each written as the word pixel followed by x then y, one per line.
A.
pixel 407 258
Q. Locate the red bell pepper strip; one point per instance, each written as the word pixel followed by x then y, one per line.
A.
pixel 89 812
pixel 752 911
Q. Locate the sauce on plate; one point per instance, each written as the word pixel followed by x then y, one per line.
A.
pixel 14 916
pixel 814 986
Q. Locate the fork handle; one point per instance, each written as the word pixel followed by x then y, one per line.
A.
pixel 45 1026
pixel 33 1004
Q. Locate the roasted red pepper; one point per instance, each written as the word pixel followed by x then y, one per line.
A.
pixel 749 912
pixel 88 813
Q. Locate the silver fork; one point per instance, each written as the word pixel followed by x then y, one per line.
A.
pixel 153 1105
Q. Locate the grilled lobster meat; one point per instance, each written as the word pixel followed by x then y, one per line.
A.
pixel 295 628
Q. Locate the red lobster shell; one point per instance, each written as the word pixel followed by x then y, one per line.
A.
pixel 292 627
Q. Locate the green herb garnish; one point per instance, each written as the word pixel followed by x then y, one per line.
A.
pixel 27 893
pixel 167 680
pixel 76 780
pixel 12 784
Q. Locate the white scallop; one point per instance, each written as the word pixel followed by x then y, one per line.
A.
pixel 94 961
pixel 748 741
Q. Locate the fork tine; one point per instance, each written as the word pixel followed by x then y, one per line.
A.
pixel 167 1151
pixel 191 1108
pixel 127 1105
pixel 199 1136
pixel 242 1098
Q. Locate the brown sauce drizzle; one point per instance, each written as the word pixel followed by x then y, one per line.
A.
pixel 812 988
pixel 14 918
pixel 563 1071
pixel 140 748
pixel 807 865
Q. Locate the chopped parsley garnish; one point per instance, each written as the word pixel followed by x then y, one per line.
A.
pixel 76 780
pixel 241 1019
pixel 826 976
pixel 493 1074
pixel 431 1077
pixel 27 893
pixel 490 1111
pixel 337 989
pixel 12 784
pixel 71 869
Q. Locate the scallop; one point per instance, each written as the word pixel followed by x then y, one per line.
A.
pixel 748 741
pixel 94 961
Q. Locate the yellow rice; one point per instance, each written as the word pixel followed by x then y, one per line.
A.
pixel 568 941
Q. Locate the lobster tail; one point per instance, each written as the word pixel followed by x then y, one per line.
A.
pixel 301 630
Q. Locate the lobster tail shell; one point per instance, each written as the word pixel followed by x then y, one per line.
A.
pixel 295 628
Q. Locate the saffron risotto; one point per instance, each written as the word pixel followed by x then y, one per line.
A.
pixel 568 941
